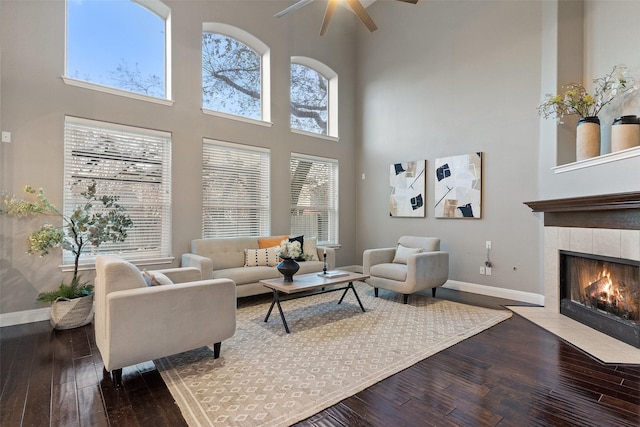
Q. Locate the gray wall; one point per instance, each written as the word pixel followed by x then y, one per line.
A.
pixel 466 76
pixel 35 101
pixel 455 78
pixel 438 78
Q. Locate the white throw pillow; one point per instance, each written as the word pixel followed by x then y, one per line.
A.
pixel 402 254
pixel 309 248
pixel 261 257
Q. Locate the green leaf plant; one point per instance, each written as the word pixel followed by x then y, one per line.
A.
pixel 98 220
pixel 577 101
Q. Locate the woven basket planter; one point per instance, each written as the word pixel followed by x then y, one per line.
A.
pixel 71 313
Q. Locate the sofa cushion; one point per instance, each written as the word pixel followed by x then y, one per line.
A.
pixel 392 271
pixel 310 267
pixel 260 257
pixel 244 275
pixel 269 242
pixel 226 252
pixel 403 253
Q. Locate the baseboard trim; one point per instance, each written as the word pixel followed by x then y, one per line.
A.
pixel 26 316
pixel 491 291
pixel 38 315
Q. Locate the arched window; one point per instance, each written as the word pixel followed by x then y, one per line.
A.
pixel 235 73
pixel 314 97
pixel 119 44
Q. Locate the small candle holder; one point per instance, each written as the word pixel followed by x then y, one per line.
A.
pixel 324 268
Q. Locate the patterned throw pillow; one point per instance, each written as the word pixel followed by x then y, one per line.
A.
pixel 260 257
pixel 309 248
pixel 402 254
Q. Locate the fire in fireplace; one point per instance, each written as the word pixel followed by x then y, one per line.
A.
pixel 603 293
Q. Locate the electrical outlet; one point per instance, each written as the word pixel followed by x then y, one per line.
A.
pixel 482 270
pixel 487 271
pixel 488 244
pixel 6 136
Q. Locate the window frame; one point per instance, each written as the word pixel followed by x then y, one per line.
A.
pixel 333 206
pixel 263 192
pixel 154 6
pixel 163 254
pixel 265 71
pixel 332 97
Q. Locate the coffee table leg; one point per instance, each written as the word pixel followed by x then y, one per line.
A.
pixel 350 286
pixel 273 302
pixel 276 301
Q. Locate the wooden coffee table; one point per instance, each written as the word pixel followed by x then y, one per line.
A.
pixel 309 282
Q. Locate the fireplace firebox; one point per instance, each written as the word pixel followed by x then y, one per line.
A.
pixel 603 293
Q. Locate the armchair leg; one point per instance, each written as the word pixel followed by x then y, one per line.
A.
pixel 405 298
pixel 216 350
pixel 117 377
pixel 433 292
pixel 375 292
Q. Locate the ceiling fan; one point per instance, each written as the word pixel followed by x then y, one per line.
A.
pixel 355 5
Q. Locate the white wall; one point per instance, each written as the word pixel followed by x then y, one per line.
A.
pixel 35 101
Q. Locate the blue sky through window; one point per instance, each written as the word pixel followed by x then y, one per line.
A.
pixel 105 34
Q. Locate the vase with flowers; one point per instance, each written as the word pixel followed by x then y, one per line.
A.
pixel 577 101
pixel 289 251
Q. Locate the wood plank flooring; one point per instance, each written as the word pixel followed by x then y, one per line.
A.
pixel 514 374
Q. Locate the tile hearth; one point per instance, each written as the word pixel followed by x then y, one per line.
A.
pixel 601 346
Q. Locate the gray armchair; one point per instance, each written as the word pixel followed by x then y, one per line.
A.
pixel 415 264
pixel 136 322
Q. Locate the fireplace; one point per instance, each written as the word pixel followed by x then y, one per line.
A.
pixel 603 293
pixel 606 229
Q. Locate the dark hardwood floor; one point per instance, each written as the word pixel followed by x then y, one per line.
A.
pixel 514 374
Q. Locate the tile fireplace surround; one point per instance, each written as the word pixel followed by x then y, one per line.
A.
pixel 607 225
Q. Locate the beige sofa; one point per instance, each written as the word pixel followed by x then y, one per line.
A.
pixel 135 322
pixel 225 258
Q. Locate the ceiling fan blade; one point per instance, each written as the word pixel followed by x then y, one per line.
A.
pixel 362 14
pixel 328 13
pixel 410 1
pixel 293 7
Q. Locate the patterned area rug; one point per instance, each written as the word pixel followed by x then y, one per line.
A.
pixel 266 377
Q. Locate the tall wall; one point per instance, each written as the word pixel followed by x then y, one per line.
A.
pixel 455 78
pixel 35 100
pixel 467 76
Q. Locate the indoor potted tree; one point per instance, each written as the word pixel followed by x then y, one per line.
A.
pixel 98 220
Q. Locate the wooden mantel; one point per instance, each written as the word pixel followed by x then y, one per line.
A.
pixel 617 211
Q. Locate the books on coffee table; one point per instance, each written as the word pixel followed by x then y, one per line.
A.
pixel 333 274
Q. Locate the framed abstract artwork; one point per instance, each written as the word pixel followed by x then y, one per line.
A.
pixel 458 186
pixel 407 184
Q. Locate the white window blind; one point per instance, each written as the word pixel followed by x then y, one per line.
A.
pixel 131 163
pixel 314 198
pixel 235 190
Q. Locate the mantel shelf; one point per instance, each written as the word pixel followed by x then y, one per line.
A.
pixel 615 211
pixel 616 201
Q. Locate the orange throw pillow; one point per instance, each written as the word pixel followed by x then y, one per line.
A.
pixel 269 242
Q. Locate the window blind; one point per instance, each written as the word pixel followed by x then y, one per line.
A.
pixel 131 163
pixel 235 190
pixel 314 197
